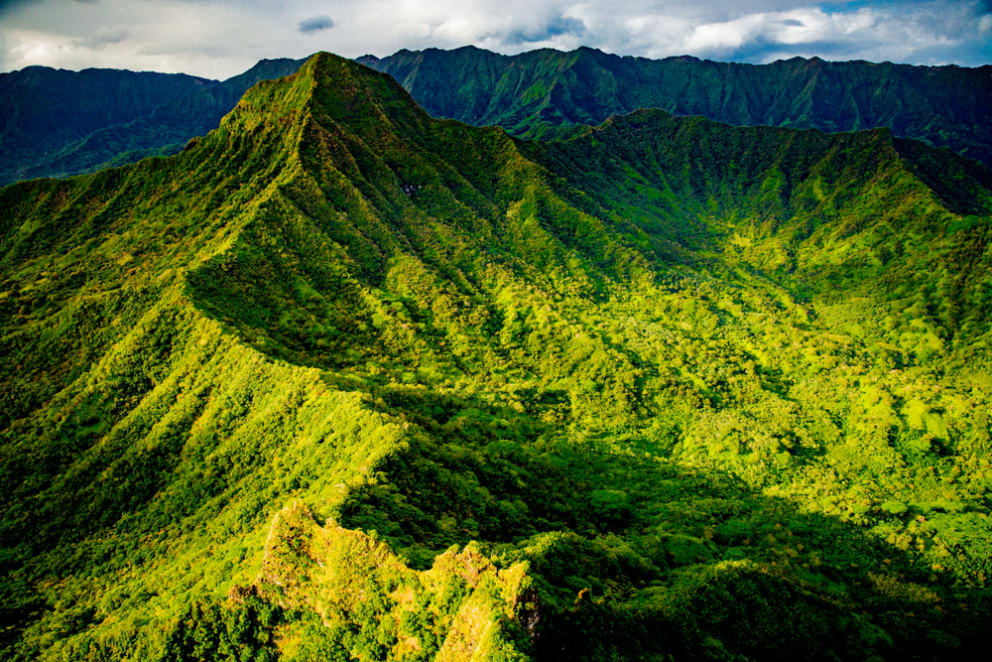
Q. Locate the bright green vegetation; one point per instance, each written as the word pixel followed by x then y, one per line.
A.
pixel 533 92
pixel 55 122
pixel 341 381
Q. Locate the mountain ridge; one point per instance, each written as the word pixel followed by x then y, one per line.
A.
pixel 160 130
pixel 587 85
pixel 588 94
pixel 45 108
pixel 343 380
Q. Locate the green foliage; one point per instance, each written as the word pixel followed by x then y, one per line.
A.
pixel 239 632
pixel 45 110
pixel 117 117
pixel 121 117
pixel 342 381
pixel 542 93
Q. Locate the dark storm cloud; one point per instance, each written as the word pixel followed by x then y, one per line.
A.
pixel 6 5
pixel 315 24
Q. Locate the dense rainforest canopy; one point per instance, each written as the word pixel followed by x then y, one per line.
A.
pixel 342 381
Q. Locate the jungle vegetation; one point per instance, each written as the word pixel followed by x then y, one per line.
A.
pixel 55 122
pixel 342 381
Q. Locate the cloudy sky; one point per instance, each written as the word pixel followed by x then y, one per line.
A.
pixel 219 38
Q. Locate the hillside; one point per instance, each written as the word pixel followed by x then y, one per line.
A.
pixel 946 106
pixel 44 108
pixel 63 123
pixel 343 381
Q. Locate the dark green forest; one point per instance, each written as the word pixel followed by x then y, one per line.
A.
pixel 532 93
pixel 44 109
pixel 55 122
pixel 342 381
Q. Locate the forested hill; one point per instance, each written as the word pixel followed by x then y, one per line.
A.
pixel 58 123
pixel 44 109
pixel 342 381
pixel 947 106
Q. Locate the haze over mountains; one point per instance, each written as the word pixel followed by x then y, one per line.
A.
pixel 344 381
pixel 532 94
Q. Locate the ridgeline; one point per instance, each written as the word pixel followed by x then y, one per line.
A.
pixel 342 381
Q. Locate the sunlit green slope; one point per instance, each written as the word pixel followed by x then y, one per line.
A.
pixel 341 381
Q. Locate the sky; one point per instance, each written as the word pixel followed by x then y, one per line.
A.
pixel 220 38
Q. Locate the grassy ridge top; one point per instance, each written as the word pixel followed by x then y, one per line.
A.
pixel 341 380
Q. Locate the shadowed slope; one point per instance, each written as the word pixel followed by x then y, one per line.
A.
pixel 420 334
pixel 947 106
pixel 44 109
pixel 157 119
pixel 833 218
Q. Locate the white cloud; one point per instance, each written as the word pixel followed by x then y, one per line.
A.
pixel 219 38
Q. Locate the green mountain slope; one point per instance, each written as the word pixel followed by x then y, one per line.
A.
pixel 946 106
pixel 342 381
pixel 57 134
pixel 44 109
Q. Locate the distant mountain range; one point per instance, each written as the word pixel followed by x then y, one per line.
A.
pixel 343 381
pixel 946 106
pixel 45 109
pixel 57 123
